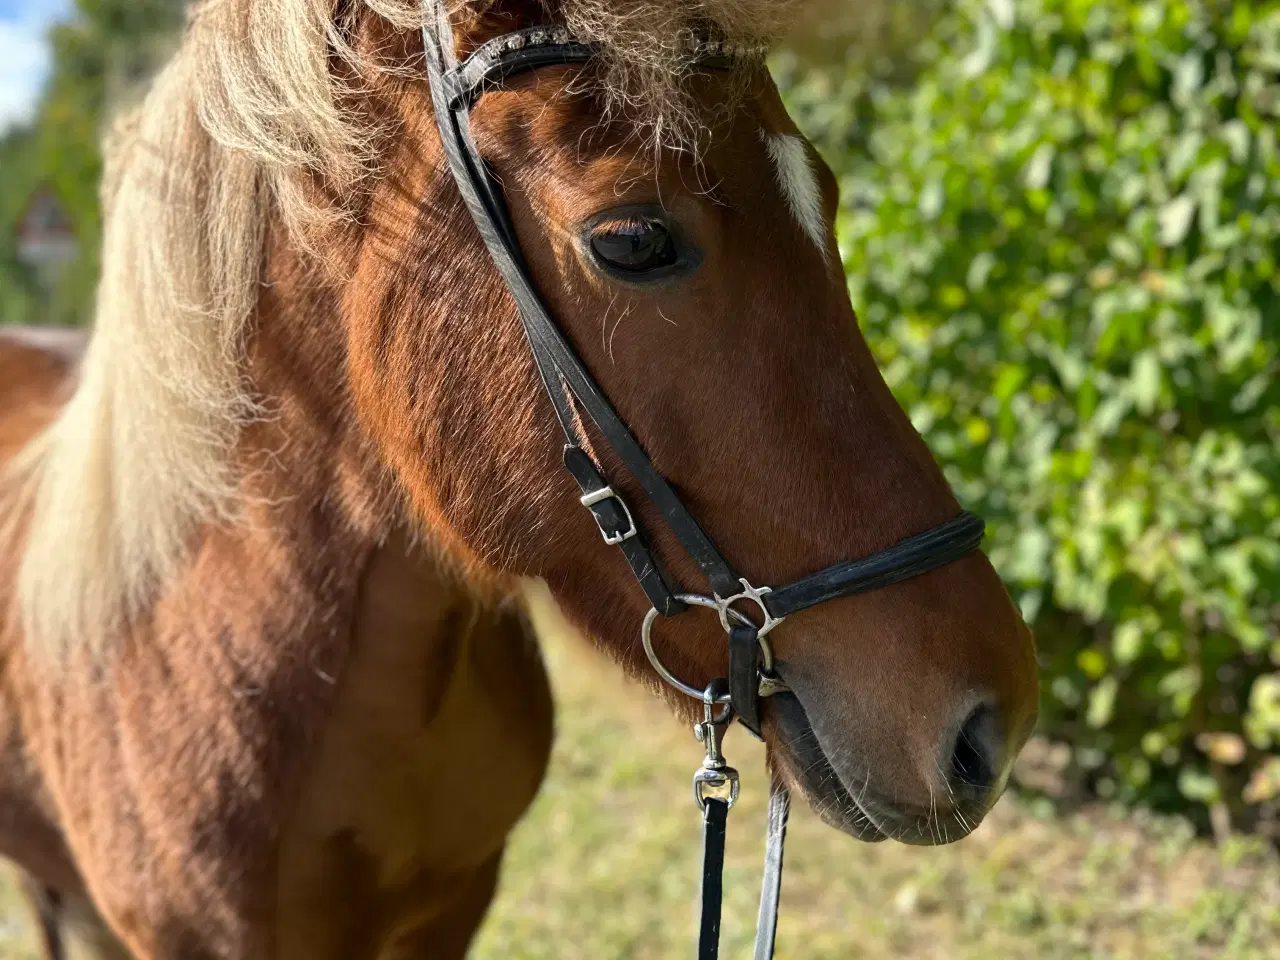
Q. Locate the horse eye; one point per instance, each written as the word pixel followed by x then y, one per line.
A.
pixel 635 246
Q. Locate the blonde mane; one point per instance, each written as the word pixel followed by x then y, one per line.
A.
pixel 245 116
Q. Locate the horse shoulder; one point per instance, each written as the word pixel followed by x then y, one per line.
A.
pixel 437 742
pixel 320 719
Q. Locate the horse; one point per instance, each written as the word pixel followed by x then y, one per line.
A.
pixel 268 687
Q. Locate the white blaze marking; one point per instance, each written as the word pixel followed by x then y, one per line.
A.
pixel 798 179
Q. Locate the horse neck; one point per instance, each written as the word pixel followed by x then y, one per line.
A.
pixel 309 449
pixel 432 677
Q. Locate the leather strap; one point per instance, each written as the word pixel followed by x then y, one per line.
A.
pixel 714 816
pixel 744 675
pixel 906 559
pixel 714 820
pixel 619 528
pixel 511 54
pixel 529 49
pixel 555 356
pixel 771 892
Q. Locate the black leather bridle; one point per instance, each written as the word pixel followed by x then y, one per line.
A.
pixel 455 89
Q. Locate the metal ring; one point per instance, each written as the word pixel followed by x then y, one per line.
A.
pixel 724 778
pixel 697 600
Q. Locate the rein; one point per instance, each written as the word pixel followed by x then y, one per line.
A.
pixel 455 89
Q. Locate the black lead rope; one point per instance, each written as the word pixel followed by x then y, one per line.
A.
pixel 455 89
pixel 714 822
pixel 715 815
pixel 715 787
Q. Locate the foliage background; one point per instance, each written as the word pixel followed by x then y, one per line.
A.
pixel 1061 227
pixel 101 57
pixel 1061 236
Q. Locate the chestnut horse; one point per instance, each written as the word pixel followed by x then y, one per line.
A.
pixel 267 687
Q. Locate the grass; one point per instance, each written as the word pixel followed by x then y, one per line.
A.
pixel 16 932
pixel 606 864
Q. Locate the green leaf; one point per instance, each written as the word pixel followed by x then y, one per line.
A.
pixel 1175 220
pixel 1127 641
pixel 1102 702
pixel 1146 378
pixel 1198 785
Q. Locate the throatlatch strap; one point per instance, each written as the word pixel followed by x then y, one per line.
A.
pixel 771 892
pixel 714 816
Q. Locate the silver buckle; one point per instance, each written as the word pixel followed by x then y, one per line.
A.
pixel 589 500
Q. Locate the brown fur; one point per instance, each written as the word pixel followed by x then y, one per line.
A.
pixel 284 755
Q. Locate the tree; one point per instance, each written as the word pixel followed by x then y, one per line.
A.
pixel 102 56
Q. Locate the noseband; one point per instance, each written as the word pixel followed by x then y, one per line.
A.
pixel 455 89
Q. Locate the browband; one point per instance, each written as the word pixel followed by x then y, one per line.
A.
pixel 552 46
pixel 504 57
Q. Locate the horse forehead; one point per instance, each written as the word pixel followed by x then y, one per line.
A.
pixel 793 160
pixel 575 146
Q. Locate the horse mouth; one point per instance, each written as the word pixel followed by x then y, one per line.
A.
pixel 856 808
pixel 801 761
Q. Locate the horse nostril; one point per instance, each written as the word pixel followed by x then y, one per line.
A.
pixel 976 756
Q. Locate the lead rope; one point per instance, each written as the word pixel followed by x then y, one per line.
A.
pixel 715 814
pixel 715 788
pixel 771 888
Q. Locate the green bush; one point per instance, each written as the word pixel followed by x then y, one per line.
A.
pixel 1062 241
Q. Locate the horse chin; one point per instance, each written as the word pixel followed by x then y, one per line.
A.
pixel 803 764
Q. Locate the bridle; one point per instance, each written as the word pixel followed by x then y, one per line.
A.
pixel 455 89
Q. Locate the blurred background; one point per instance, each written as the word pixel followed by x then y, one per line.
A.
pixel 1061 226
